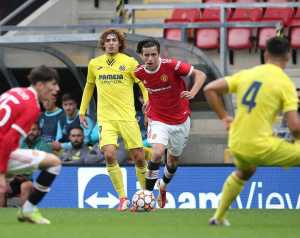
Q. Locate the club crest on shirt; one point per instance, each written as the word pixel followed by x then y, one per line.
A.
pixel 164 78
pixel 122 68
pixel 154 136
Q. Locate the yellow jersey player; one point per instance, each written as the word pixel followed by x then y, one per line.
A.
pixel 262 92
pixel 113 75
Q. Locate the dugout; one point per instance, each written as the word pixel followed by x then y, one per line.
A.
pixel 70 54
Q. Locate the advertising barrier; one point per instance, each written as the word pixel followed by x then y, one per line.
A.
pixel 192 187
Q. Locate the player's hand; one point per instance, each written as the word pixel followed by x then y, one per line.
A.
pixel 56 145
pixel 145 121
pixel 227 122
pixel 187 95
pixel 144 107
pixel 83 121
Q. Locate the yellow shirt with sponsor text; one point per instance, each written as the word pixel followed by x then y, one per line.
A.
pixel 114 79
pixel 262 92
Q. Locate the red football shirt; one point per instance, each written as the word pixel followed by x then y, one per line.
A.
pixel 164 86
pixel 19 109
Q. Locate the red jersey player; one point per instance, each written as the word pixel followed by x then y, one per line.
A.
pixel 168 110
pixel 19 109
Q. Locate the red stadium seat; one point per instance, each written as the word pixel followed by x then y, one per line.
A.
pixel 184 16
pixel 173 33
pixel 295 35
pixel 284 15
pixel 241 38
pixel 191 14
pixel 213 14
pixel 208 38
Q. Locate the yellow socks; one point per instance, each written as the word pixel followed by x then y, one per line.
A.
pixel 231 189
pixel 140 174
pixel 116 178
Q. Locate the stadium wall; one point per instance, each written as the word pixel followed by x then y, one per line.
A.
pixel 193 187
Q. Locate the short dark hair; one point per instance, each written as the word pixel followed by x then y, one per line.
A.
pixel 278 46
pixel 147 43
pixel 75 127
pixel 68 97
pixel 42 73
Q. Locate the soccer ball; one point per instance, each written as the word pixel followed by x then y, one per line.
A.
pixel 143 201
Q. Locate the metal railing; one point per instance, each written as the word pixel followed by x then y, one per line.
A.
pixel 132 8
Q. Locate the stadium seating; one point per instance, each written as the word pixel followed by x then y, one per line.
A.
pixel 208 38
pixel 241 38
pixel 180 16
pixel 284 15
pixel 295 35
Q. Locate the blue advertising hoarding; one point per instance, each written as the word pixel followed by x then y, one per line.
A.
pixel 192 187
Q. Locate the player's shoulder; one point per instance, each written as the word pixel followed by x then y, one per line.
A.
pixel 97 59
pixel 23 93
pixel 170 63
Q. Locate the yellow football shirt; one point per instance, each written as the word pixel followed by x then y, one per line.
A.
pixel 114 79
pixel 262 92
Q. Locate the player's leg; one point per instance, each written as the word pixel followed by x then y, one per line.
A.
pixel 169 171
pixel 131 134
pixel 25 190
pixel 232 187
pixel 108 144
pixel 158 136
pixel 177 142
pixel 23 161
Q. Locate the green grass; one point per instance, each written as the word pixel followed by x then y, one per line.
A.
pixel 106 223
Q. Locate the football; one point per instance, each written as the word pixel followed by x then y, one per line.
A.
pixel 143 201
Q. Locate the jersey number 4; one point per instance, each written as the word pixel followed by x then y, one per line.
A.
pixel 250 95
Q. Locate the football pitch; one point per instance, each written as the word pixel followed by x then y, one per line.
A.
pixel 106 223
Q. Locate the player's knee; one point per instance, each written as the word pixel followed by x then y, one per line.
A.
pixel 26 186
pixel 53 160
pixel 157 154
pixel 246 174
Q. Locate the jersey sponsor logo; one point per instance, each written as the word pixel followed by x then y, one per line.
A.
pixel 156 90
pixel 104 195
pixel 122 68
pixel 110 76
pixel 164 78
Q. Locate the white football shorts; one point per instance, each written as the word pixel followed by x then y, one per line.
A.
pixel 174 137
pixel 24 161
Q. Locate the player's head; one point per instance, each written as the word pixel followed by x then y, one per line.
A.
pixel 278 49
pixel 76 137
pixel 69 104
pixel 112 41
pixel 45 81
pixel 149 49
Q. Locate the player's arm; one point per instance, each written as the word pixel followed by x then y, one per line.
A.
pixel 87 95
pixel 213 93
pixel 293 123
pixel 199 79
pixel 290 106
